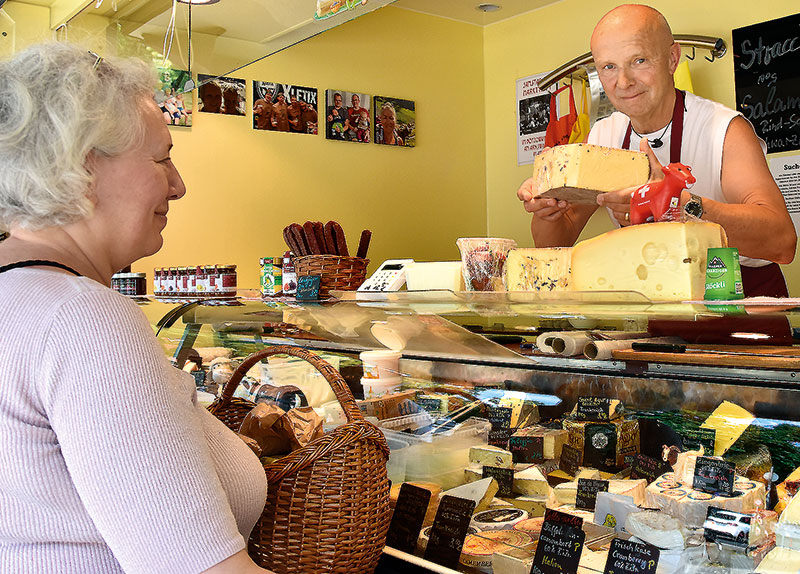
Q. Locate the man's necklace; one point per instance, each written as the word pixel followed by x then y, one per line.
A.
pixel 654 143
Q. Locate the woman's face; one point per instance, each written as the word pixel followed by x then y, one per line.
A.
pixel 132 192
pixel 388 119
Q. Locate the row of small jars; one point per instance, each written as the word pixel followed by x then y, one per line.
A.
pixel 207 281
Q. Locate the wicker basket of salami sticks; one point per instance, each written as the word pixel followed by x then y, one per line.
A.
pixel 328 502
pixel 321 249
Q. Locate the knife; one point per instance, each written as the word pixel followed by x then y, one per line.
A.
pixel 672 348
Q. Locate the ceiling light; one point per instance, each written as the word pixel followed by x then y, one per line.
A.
pixel 486 7
pixel 198 2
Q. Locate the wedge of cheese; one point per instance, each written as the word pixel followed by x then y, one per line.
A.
pixel 481 491
pixel 545 269
pixel 533 505
pixel 490 456
pixel 567 492
pixel 729 420
pixel 577 172
pixel 664 261
pixel 552 439
pixel 780 561
pixel 531 482
pixel 656 528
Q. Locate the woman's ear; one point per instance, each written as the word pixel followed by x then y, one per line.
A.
pixel 90 165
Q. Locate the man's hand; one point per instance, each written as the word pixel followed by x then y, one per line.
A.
pixel 619 202
pixel 546 208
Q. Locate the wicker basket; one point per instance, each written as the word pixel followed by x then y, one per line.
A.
pixel 337 272
pixel 328 502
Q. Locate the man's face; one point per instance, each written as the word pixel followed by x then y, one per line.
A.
pixel 635 70
pixel 281 98
pixel 356 101
pixel 337 101
pixel 212 98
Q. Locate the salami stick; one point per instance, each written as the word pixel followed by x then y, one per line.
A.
pixel 311 238
pixel 330 239
pixel 319 233
pixel 363 244
pixel 299 238
pixel 287 237
pixel 341 240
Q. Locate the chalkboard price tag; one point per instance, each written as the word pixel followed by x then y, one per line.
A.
pixel 571 459
pixel 628 557
pixel 504 478
pixel 409 514
pixel 526 449
pixel 560 544
pixel 694 439
pixel 449 530
pixel 588 488
pixel 430 404
pixel 500 417
pixel 727 526
pixel 308 288
pixel 499 437
pixel 648 468
pixel 593 409
pixel 714 476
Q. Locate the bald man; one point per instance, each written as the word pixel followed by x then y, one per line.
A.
pixel 636 56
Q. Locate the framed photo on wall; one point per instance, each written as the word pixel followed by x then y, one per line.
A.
pixel 284 107
pixel 347 116
pixel 221 95
pixel 395 121
pixel 175 104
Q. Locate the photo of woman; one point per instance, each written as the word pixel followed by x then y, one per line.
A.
pixel 395 121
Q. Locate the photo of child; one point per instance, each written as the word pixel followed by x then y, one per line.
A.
pixel 221 95
pixel 176 106
pixel 347 117
pixel 395 121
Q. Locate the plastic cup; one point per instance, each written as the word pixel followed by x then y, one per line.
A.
pixel 484 262
pixel 723 274
pixel 381 364
pixel 378 387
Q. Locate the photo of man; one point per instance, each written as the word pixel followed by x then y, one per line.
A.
pixel 348 116
pixel 284 108
pixel 221 95
pixel 336 124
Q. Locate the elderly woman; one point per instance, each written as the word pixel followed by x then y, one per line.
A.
pixel 107 462
pixel 388 123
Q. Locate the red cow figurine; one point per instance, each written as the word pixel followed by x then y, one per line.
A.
pixel 653 201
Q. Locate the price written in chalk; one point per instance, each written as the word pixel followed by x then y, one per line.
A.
pixel 560 544
pixel 626 557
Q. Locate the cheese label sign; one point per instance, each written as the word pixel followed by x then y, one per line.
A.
pixel 560 544
pixel 500 437
pixel 430 404
pixel 593 409
pixel 504 478
pixel 648 468
pixel 571 459
pixel 526 449
pixel 586 498
pixel 628 557
pixel 450 528
pixel 694 439
pixel 727 526
pixel 409 514
pixel 500 417
pixel 714 476
pixel 308 288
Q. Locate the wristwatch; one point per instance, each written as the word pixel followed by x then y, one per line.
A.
pixel 694 206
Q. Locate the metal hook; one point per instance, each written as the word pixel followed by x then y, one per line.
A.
pixel 712 58
pixel 693 56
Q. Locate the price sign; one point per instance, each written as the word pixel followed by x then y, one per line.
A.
pixel 627 557
pixel 588 488
pixel 409 514
pixel 500 417
pixel 499 437
pixel 504 478
pixel 526 449
pixel 308 288
pixel 648 468
pixel 714 476
pixel 694 439
pixel 593 409
pixel 571 459
pixel 449 530
pixel 430 404
pixel 560 544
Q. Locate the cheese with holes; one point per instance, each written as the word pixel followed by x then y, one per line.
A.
pixel 490 456
pixel 545 269
pixel 656 528
pixel 690 506
pixel 664 261
pixel 780 561
pixel 552 439
pixel 559 170
pixel 481 491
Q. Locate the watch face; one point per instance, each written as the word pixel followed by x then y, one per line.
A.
pixel 693 208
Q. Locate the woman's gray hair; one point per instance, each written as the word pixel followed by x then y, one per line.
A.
pixel 58 103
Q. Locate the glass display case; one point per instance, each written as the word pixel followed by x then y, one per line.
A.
pixel 536 402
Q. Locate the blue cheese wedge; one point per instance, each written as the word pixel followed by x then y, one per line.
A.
pixel 543 269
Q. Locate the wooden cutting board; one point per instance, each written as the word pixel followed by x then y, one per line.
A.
pixel 789 361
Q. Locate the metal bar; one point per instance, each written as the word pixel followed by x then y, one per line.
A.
pixel 187 341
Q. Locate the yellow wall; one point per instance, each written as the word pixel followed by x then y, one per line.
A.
pixel 244 186
pixel 542 40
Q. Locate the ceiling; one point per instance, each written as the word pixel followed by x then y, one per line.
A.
pixel 467 10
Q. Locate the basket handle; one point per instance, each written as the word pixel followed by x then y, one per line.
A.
pixel 335 380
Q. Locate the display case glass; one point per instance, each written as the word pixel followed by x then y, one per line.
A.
pixel 478 394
